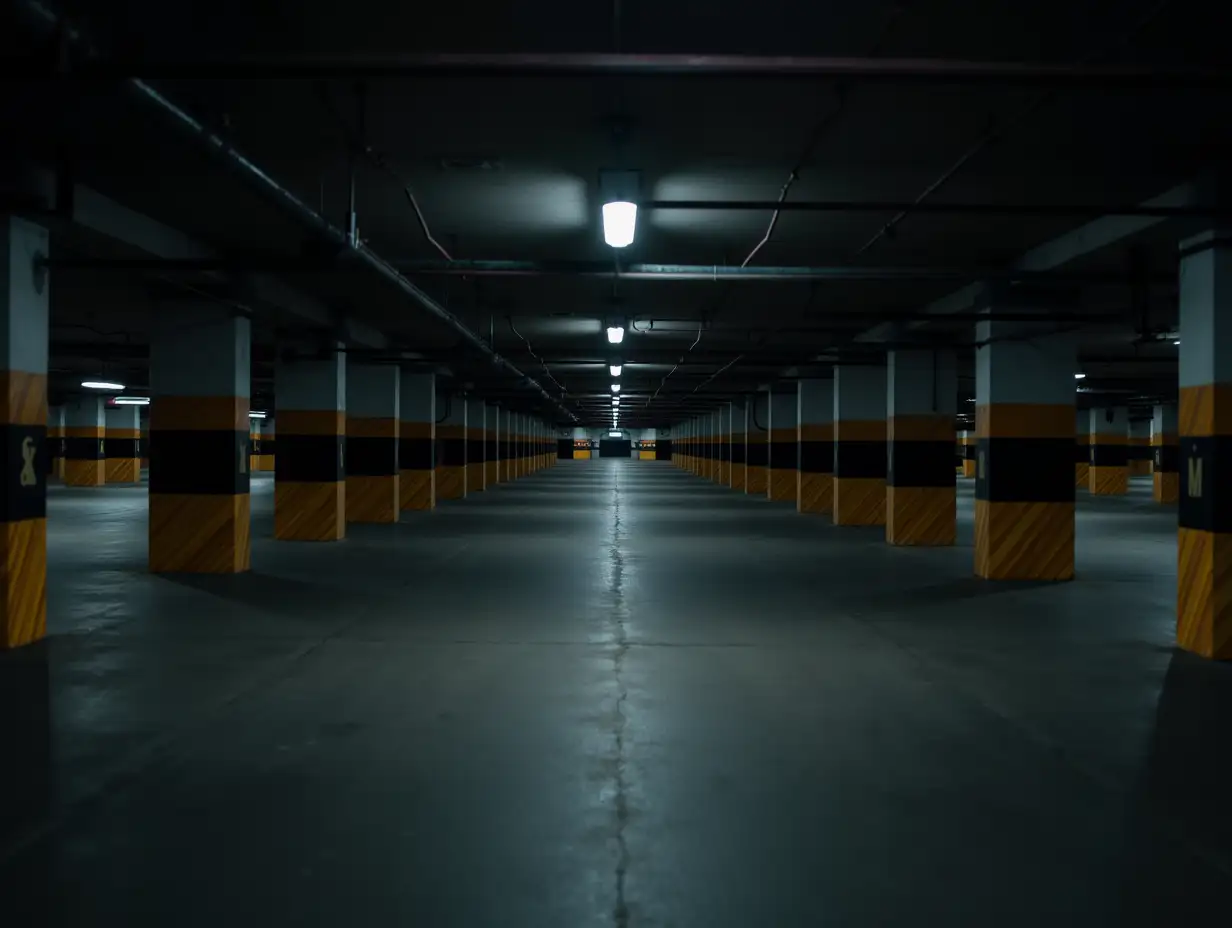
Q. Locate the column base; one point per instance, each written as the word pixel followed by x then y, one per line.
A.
pixel 416 490
pixel 921 515
pixel 23 583
pixel 474 478
pixel 451 482
pixel 815 493
pixel 859 501
pixel 199 533
pixel 1108 481
pixel 310 511
pixel 781 485
pixel 372 499
pixel 1204 593
pixel 755 479
pixel 1024 541
pixel 737 477
pixel 1165 487
pixel 79 473
pixel 1082 475
pixel 968 468
pixel 122 470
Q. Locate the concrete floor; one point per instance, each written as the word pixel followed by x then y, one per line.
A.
pixel 611 694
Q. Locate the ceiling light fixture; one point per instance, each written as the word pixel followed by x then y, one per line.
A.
pixel 615 334
pixel 615 388
pixel 101 385
pixel 619 223
pixel 131 401
pixel 613 434
pixel 615 369
pixel 1176 341
pixel 1079 376
pixel 255 414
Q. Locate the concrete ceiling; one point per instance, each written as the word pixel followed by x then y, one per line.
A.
pixel 505 168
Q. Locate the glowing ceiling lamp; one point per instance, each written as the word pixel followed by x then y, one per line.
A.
pixel 615 369
pixel 101 385
pixel 615 388
pixel 619 222
pixel 131 401
pixel 1079 376
pixel 255 414
pixel 615 334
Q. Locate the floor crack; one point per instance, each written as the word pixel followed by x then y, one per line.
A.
pixel 620 914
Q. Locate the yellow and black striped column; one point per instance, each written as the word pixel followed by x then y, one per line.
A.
pixel 373 473
pixel 1204 567
pixel 122 444
pixel 1082 449
pixel 736 444
pixel 268 445
pixel 756 448
pixel 922 397
pixel 145 438
pixel 85 455
pixel 1109 471
pixel 1165 452
pixel 1140 448
pixel 417 443
pixel 967 441
pixel 451 451
pixel 476 463
pixel 309 470
pixel 55 441
pixel 859 445
pixel 815 436
pixel 1024 483
pixel 199 474
pixel 23 561
pixel 491 445
pixel 782 440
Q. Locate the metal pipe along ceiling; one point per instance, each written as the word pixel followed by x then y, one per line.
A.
pixel 294 207
pixel 679 65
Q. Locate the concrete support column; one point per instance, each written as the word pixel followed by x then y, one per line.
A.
pixel 699 447
pixel 782 441
pixel 491 445
pixel 1024 491
pixel 1140 448
pixel 1109 472
pixel 1204 572
pixel 417 443
pixel 451 451
pixel 1082 441
pixel 310 500
pixel 710 423
pixel 55 441
pixel 122 444
pixel 145 438
pixel 374 396
pixel 860 445
pixel 1165 454
pixel 691 463
pixel 815 440
pixel 756 447
pixel 476 459
pixel 736 445
pixel 967 439
pixel 922 402
pixel 267 433
pixel 200 371
pixel 85 456
pixel 23 343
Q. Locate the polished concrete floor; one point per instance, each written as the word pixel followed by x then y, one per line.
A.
pixel 611 694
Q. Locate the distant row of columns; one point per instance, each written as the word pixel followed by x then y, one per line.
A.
pixel 355 442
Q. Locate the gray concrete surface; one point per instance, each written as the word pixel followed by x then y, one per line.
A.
pixel 610 694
